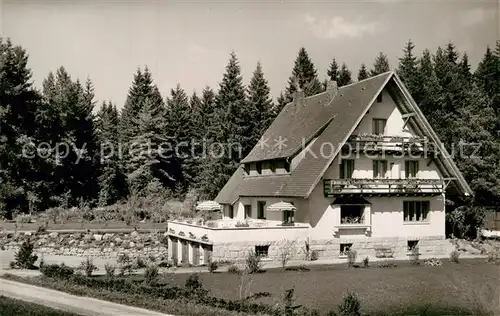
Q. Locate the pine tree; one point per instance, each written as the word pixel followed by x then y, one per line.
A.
pixel 465 66
pixel 487 73
pixel 408 66
pixel 451 53
pixel 281 101
pixel 260 103
pixel 362 73
pixel 344 76
pixel 380 65
pixel 306 75
pixel 333 70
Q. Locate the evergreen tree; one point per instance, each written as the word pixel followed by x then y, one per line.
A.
pixel 207 111
pixel 451 53
pixel 344 76
pixel 112 179
pixel 408 67
pixel 380 65
pixel 260 103
pixel 487 73
pixel 333 70
pixel 306 75
pixel 281 101
pixel 465 66
pixel 362 73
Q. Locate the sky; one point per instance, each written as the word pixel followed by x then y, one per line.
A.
pixel 189 42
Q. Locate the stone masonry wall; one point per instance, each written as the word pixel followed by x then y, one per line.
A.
pixel 91 244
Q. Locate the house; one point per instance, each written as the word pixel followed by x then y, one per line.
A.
pixel 356 167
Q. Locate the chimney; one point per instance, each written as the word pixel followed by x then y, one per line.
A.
pixel 332 89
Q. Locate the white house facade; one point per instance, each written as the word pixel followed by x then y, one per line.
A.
pixel 360 169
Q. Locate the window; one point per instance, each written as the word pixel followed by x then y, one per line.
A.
pixel 247 169
pixel 288 217
pixel 415 211
pixel 379 98
pixel 230 212
pixel 379 169
pixel 344 248
pixel 248 211
pixel 352 214
pixel 262 251
pixel 412 244
pixel 346 168
pixel 259 167
pixel 411 169
pixel 378 126
pixel 260 210
pixel 272 166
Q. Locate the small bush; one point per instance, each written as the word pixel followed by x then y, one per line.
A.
pixel 415 256
pixel 25 259
pixel 125 264
pixel 350 305
pixel 433 262
pixel 253 262
pixel 140 263
pixel 88 267
pixel 233 269
pixel 454 256
pixel 366 262
pixel 301 268
pixel 212 266
pixel 193 282
pixel 387 264
pixel 110 270
pixel 314 255
pixel 351 258
pixel 56 271
pixel 151 274
pixel 494 256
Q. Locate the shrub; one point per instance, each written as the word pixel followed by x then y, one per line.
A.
pixel 212 266
pixel 57 271
pixel 193 282
pixel 125 264
pixel 253 262
pixel 366 262
pixel 434 262
pixel 350 305
pixel 25 259
pixel 415 256
pixel 454 255
pixel 285 253
pixel 151 274
pixel 140 263
pixel 88 266
pixel 494 256
pixel 314 255
pixel 110 270
pixel 233 269
pixel 387 264
pixel 351 257
pixel 289 300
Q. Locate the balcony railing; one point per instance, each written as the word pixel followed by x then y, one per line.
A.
pixel 333 187
pixel 360 143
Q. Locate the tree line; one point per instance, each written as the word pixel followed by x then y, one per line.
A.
pixel 59 147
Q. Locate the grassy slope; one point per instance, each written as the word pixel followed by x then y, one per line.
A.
pixel 12 307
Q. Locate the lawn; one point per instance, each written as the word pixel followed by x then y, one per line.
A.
pixel 471 285
pixel 12 307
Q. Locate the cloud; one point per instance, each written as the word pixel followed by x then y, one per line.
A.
pixel 476 16
pixel 338 27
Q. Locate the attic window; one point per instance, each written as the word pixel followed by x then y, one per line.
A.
pixel 379 98
pixel 259 167
pixel 272 166
pixel 287 166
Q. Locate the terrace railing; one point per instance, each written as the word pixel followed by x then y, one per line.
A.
pixel 368 142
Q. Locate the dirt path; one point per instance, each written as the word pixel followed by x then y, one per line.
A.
pixel 84 306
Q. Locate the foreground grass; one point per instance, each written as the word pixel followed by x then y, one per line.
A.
pixel 468 288
pixel 12 307
pixel 176 307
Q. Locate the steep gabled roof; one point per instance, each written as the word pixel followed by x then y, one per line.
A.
pixel 336 119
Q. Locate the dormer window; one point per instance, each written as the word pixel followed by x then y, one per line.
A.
pixel 272 166
pixel 247 169
pixel 259 167
pixel 287 166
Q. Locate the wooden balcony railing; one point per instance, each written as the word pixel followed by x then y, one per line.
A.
pixel 335 187
pixel 372 143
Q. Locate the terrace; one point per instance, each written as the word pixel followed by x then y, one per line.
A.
pixel 388 144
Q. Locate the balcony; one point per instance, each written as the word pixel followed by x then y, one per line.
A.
pixel 388 144
pixel 386 187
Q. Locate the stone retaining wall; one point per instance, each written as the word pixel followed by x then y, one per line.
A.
pixel 92 244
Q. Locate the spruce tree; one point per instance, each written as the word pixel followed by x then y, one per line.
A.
pixel 306 75
pixel 362 73
pixel 487 73
pixel 281 101
pixel 380 65
pixel 260 103
pixel 333 70
pixel 465 66
pixel 408 66
pixel 344 76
